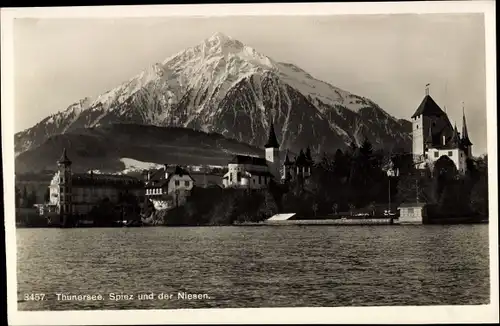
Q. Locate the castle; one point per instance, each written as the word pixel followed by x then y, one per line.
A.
pixel 257 172
pixel 434 138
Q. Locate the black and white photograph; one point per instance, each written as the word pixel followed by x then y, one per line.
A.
pixel 160 160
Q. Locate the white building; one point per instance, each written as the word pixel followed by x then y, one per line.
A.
pixel 168 187
pixel 77 193
pixel 257 172
pixel 412 213
pixel 434 138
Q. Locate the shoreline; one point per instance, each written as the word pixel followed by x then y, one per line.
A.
pixel 310 222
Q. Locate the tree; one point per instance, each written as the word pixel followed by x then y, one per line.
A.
pixel 24 197
pixel 18 197
pixel 315 208
pixel 268 207
pixel 46 196
pixel 335 208
pixel 479 190
pixel 32 198
pixel 416 186
pixel 308 154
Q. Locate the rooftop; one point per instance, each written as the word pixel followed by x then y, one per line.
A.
pixel 251 160
pixel 94 179
pixel 428 107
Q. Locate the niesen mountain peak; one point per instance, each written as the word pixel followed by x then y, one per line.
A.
pixel 224 86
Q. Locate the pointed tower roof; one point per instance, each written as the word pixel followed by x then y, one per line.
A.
pixel 64 158
pixel 301 160
pixel 287 160
pixel 272 141
pixel 465 135
pixel 455 139
pixel 308 153
pixel 428 107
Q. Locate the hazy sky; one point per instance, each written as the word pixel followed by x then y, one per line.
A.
pixel 387 58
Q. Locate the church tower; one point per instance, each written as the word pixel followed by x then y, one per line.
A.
pixel 272 154
pixel 466 143
pixel 65 189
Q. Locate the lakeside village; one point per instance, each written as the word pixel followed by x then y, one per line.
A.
pixel 439 182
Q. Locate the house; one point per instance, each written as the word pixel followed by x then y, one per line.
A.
pixel 412 213
pixel 77 193
pixel 168 187
pixel 435 139
pixel 257 172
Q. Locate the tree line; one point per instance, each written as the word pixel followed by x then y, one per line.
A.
pixel 25 198
pixel 346 181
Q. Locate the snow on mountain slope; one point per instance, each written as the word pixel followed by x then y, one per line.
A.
pixel 224 86
pixel 132 165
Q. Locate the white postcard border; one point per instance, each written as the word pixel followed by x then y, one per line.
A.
pixel 421 314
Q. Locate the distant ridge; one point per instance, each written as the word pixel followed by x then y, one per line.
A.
pixel 104 148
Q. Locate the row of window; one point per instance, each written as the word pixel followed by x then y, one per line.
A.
pixel 450 153
pixel 159 191
pixel 186 183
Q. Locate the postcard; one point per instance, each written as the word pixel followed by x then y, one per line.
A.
pixel 252 163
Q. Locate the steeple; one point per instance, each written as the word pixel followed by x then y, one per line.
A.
pixel 465 135
pixel 455 140
pixel 308 154
pixel 287 160
pixel 64 160
pixel 272 141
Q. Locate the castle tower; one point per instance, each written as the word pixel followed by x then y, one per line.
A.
pixel 466 143
pixel 272 153
pixel 427 122
pixel 287 169
pixel 65 189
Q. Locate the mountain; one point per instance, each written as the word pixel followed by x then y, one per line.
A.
pixel 224 86
pixel 112 148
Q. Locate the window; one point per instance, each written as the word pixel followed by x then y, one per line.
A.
pixel 417 126
pixel 186 183
pixel 177 183
pixel 450 153
pixel 436 154
pixel 260 181
pixel 230 178
pixel 238 177
pixel 410 210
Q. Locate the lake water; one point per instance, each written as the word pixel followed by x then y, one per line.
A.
pixel 266 266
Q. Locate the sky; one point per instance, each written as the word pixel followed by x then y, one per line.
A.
pixel 386 58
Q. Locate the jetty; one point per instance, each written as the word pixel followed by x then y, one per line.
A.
pixel 286 219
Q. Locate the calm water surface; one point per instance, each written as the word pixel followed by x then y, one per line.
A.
pixel 265 266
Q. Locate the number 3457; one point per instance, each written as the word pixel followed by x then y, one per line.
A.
pixel 34 296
